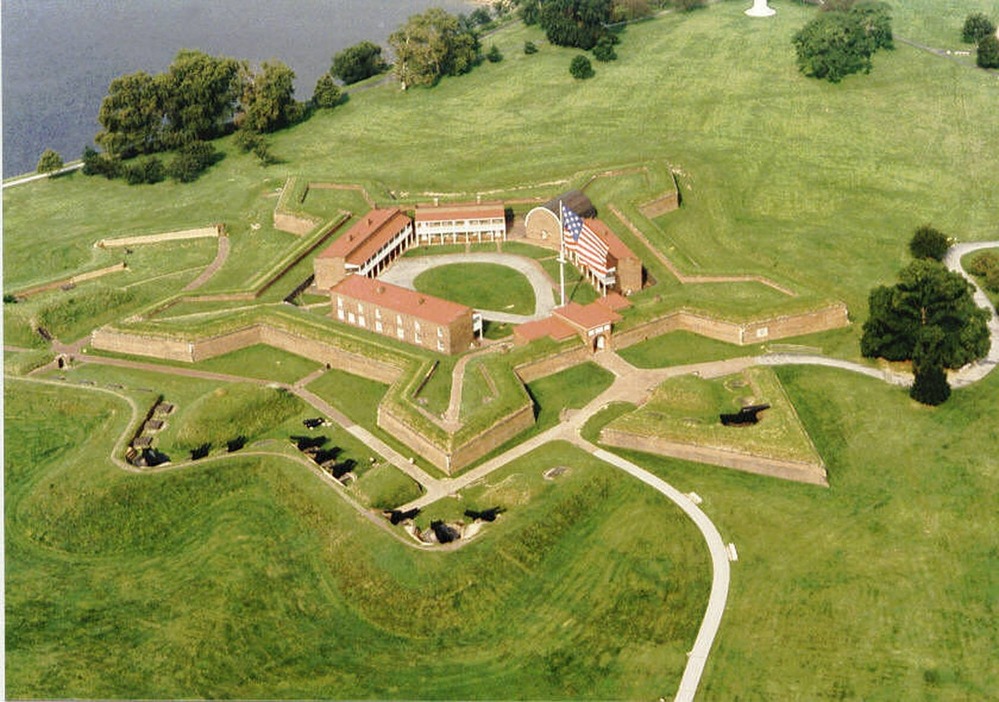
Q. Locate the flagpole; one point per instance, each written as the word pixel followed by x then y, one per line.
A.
pixel 561 253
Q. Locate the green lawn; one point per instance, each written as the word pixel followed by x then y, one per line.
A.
pixel 679 348
pixel 483 286
pixel 882 586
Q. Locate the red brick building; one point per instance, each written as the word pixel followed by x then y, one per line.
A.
pixel 365 249
pixel 402 314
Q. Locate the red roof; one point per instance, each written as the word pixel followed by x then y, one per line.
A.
pixel 617 248
pixel 460 211
pixel 550 326
pixel 403 300
pixel 370 233
pixel 589 317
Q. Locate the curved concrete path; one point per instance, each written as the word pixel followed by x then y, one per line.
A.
pixel 405 270
pixel 982 367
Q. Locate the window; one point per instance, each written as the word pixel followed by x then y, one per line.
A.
pixel 401 333
pixel 440 332
pixel 440 344
pixel 378 313
pixel 339 302
pixel 360 321
pixel 378 326
pixel 351 318
pixel 398 320
pixel 416 326
pixel 339 314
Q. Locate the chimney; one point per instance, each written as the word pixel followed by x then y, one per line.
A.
pixel 421 300
pixel 380 289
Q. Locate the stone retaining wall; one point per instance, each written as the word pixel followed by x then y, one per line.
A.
pixel 740 333
pixel 214 231
pixel 531 371
pixel 454 458
pixel 202 349
pixel 72 280
pixel 799 471
pixel 493 437
pixel 139 345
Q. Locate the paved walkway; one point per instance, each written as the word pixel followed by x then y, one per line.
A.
pixel 39 176
pixel 974 372
pixel 212 268
pixel 405 270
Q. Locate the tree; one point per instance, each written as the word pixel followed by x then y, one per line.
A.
pixel 838 43
pixel 929 316
pixel 930 386
pixel 928 242
pixel 988 52
pixel 581 68
pixel 49 162
pixel 268 100
pixel 578 23
pixel 494 55
pixel 358 62
pixel 432 45
pixel 200 96
pixel 530 11
pixel 327 94
pixel 977 26
pixel 131 115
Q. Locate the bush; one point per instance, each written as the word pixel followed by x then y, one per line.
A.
pixel 988 52
pixel 928 242
pixel 192 160
pixel 931 386
pixel 358 62
pixel 146 171
pixel 494 55
pixel 95 163
pixel 327 93
pixel 50 161
pixel 530 48
pixel 986 266
pixel 977 26
pixel 581 68
pixel 604 50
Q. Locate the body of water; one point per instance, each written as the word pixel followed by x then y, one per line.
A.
pixel 58 56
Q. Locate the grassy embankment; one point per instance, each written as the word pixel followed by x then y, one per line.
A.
pixel 249 577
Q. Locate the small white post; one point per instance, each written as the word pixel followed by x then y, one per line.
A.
pixel 761 9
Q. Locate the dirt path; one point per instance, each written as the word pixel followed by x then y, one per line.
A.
pixel 220 258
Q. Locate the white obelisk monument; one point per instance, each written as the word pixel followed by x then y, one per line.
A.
pixel 761 9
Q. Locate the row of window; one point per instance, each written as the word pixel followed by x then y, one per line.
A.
pixel 359 319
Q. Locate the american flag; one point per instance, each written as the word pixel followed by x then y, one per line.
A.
pixel 572 227
pixel 589 249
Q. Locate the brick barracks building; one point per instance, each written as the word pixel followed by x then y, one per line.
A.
pixel 366 249
pixel 403 314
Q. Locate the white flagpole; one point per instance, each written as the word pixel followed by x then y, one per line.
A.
pixel 561 253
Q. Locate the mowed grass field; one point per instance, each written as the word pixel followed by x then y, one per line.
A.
pixel 250 578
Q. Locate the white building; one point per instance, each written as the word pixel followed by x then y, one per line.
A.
pixel 463 223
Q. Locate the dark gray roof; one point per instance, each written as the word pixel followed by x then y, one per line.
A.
pixel 576 201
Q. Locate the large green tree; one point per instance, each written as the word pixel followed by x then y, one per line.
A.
pixel 358 62
pixel 131 115
pixel 988 52
pixel 268 98
pixel 977 26
pixel 928 317
pixel 578 23
pixel 838 43
pixel 201 93
pixel 431 45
